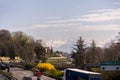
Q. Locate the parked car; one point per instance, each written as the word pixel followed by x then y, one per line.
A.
pixel 3 66
pixel 27 78
pixel 12 64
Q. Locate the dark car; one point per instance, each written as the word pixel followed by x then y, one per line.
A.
pixel 2 66
pixel 27 78
pixel 12 65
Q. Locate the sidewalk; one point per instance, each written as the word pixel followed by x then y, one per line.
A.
pixel 3 77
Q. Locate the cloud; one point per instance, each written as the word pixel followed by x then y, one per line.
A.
pixel 55 43
pixel 99 16
pixel 101 27
pixel 116 3
pixel 38 26
pixel 102 43
pixel 73 27
pixel 53 17
pixel 50 25
pixel 95 16
pixel 102 15
pixel 32 27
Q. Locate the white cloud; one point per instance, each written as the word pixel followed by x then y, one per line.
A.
pixel 52 25
pixel 55 43
pixel 53 17
pixel 39 26
pixel 116 3
pixel 101 43
pixel 102 15
pixel 76 21
pixel 101 27
pixel 94 16
pixel 73 27
pixel 32 27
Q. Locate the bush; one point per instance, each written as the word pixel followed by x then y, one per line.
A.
pixel 57 74
pixel 111 75
pixel 29 66
pixel 49 70
pixel 97 69
pixel 46 67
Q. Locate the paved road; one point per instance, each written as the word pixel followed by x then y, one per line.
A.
pixel 20 73
pixel 3 78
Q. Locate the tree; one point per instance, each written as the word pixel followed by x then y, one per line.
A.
pixel 40 51
pixel 112 52
pixel 51 51
pixel 78 52
pixel 11 50
pixel 5 37
pixel 91 53
pixel 109 52
pixel 20 40
pixel 23 46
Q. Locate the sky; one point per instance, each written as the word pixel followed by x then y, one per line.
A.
pixel 59 23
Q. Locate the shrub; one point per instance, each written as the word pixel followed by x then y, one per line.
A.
pixel 57 74
pixel 97 69
pixel 29 66
pixel 46 67
pixel 49 70
pixel 111 75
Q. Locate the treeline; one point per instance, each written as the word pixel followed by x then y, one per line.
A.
pixel 19 44
pixel 91 54
pixel 27 48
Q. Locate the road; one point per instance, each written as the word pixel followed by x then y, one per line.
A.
pixel 20 73
pixel 3 78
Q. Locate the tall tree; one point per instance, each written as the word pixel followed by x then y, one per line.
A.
pixel 19 43
pixel 78 52
pixel 51 51
pixel 5 37
pixel 91 53
pixel 40 51
pixel 24 47
pixel 112 52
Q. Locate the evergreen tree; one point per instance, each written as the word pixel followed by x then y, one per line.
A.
pixel 78 52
